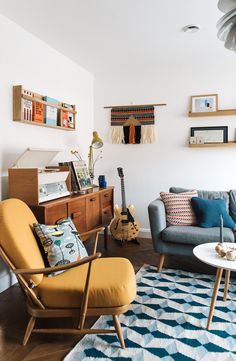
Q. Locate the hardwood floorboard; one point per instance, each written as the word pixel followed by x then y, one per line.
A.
pixel 14 318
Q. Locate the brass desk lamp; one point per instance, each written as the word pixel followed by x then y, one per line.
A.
pixel 95 144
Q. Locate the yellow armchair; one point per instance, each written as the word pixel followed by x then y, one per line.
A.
pixel 93 286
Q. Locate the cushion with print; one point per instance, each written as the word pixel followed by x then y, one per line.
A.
pixel 61 242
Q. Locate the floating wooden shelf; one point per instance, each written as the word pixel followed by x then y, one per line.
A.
pixel 213 114
pixel 43 125
pixel 208 145
pixel 37 109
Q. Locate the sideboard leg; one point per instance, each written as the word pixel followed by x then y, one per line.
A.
pixel 105 237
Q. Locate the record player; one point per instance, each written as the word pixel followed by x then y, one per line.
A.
pixel 31 181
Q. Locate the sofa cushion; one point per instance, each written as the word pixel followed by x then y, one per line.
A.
pixel 209 211
pixel 206 194
pixel 195 235
pixel 178 208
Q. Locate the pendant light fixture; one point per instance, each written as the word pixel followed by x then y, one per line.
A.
pixel 227 24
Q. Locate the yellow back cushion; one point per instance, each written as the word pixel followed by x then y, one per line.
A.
pixel 17 238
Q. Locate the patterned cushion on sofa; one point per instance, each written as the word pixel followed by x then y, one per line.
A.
pixel 179 211
pixel 61 242
pixel 206 194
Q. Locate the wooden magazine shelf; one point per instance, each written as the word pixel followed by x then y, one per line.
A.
pixel 208 145
pixel 37 109
pixel 213 114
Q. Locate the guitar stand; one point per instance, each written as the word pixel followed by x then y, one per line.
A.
pixel 123 241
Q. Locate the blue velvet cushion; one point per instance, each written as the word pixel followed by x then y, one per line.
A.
pixel 208 212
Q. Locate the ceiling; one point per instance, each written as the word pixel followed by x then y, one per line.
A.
pixel 119 35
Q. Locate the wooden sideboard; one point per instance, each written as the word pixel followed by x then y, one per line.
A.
pixel 87 211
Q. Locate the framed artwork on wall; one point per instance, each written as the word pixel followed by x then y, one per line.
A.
pixel 204 103
pixel 210 135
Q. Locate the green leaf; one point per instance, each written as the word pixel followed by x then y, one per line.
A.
pixel 57 242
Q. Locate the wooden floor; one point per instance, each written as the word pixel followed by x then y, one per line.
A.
pixel 13 316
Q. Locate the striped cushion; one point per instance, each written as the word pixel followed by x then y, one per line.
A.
pixel 179 211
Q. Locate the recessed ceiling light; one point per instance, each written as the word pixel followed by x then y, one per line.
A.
pixel 190 29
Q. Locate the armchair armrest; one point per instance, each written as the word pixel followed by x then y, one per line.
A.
pixel 157 219
pixel 93 231
pixel 48 270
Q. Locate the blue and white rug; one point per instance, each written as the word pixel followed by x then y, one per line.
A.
pixel 168 321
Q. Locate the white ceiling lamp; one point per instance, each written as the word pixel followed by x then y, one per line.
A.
pixel 190 29
pixel 227 24
pixel 226 5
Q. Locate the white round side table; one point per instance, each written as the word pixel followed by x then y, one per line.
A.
pixel 207 254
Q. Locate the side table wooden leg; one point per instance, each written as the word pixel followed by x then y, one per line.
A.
pixel 227 278
pixel 161 262
pixel 105 237
pixel 214 295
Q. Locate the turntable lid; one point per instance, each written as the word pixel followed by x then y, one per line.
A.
pixel 36 158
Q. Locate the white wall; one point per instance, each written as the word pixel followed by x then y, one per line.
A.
pixel 151 168
pixel 28 61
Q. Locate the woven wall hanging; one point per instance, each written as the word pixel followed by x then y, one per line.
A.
pixel 133 124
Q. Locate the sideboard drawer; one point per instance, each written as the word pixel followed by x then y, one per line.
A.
pixel 55 213
pixel 77 212
pixel 107 216
pixel 106 198
pixel 93 215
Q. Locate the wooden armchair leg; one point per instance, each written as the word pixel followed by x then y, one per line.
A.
pixel 161 262
pixel 119 330
pixel 29 330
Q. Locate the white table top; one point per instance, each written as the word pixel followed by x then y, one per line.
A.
pixel 207 254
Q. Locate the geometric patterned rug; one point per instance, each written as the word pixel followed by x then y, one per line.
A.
pixel 167 321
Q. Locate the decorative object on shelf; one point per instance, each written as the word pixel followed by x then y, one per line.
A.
pixel 38 112
pixel 102 181
pixel 96 143
pixel 133 124
pixel 82 176
pixel 204 103
pixel 210 135
pixel 197 106
pixel 226 25
pixel 50 112
pixel 193 140
pixel 228 252
pixel 37 109
pixel 75 189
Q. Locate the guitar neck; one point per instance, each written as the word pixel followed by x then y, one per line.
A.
pixel 124 208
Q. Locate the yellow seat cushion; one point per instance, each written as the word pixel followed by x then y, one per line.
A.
pixel 112 284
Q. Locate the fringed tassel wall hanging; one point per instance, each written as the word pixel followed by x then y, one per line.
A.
pixel 133 124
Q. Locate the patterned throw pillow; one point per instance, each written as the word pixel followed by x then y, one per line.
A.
pixel 61 242
pixel 179 211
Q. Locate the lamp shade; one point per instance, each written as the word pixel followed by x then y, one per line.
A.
pixel 226 5
pixel 96 141
pixel 227 24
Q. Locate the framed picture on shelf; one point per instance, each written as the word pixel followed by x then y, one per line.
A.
pixel 204 103
pixel 82 175
pixel 210 134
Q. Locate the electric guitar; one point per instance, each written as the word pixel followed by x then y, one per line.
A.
pixel 124 227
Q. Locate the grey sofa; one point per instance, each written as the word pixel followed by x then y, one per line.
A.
pixel 180 240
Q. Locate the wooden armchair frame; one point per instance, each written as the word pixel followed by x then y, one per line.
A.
pixel 36 309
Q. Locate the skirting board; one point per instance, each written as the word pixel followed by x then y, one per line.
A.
pixel 7 281
pixel 144 233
